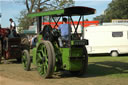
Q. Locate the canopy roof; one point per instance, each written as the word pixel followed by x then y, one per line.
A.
pixel 70 11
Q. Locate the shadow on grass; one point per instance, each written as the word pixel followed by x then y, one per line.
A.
pixel 97 69
pixel 106 68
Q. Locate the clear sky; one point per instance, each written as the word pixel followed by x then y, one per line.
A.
pixel 10 9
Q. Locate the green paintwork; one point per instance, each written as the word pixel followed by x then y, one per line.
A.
pixel 71 65
pixel 50 13
pixel 61 53
pixel 65 54
pixel 58 56
pixel 71 11
pixel 24 61
pixel 42 66
pixel 37 58
pixel 65 58
pixel 34 50
pixel 72 42
pixel 76 52
pixel 34 55
pixel 76 64
pixel 39 38
pixel 70 58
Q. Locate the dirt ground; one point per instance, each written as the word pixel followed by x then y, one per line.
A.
pixel 14 74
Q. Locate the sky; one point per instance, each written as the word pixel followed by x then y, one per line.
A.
pixel 10 9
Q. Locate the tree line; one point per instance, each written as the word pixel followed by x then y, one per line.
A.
pixel 117 9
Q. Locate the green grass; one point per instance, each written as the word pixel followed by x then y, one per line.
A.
pixel 108 66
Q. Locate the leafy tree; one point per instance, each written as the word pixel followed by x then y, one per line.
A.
pixel 99 18
pixel 117 9
pixel 24 21
pixel 44 5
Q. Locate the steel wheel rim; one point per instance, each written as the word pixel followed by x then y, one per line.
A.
pixel 42 59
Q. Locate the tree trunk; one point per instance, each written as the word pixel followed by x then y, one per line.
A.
pixel 27 5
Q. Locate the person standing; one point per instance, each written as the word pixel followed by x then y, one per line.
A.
pixel 12 27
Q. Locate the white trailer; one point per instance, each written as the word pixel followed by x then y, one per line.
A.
pixel 112 39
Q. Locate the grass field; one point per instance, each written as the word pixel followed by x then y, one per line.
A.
pixel 108 66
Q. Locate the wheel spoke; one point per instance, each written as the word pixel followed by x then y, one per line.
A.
pixel 41 71
pixel 23 59
pixel 46 58
pixel 39 56
pixel 45 69
pixel 38 60
pixel 44 50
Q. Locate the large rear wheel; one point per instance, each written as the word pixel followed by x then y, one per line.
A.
pixel 84 61
pixel 53 53
pixel 45 59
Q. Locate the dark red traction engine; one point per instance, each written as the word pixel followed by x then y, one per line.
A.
pixel 11 48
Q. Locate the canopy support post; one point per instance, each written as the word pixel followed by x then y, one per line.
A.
pixel 83 27
pixel 56 23
pixel 39 24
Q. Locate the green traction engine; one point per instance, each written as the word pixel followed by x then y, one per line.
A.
pixel 47 55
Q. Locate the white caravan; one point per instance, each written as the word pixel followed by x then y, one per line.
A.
pixel 112 39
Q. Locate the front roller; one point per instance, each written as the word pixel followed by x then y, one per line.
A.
pixel 45 59
pixel 84 64
pixel 84 61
